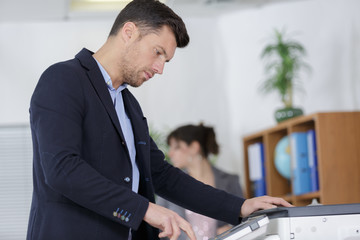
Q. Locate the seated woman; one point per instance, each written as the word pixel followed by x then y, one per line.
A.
pixel 190 147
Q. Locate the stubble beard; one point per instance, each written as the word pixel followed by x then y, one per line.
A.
pixel 130 75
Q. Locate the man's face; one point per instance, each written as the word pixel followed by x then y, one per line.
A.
pixel 146 56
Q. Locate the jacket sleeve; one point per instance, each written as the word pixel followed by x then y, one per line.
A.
pixel 178 187
pixel 57 111
pixel 229 183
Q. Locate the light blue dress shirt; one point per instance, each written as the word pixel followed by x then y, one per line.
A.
pixel 125 124
pixel 126 127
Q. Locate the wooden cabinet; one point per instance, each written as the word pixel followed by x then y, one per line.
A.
pixel 338 153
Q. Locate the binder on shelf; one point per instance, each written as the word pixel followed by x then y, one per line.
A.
pixel 257 168
pixel 300 163
pixel 313 162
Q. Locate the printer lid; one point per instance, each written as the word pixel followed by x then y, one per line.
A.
pixel 310 210
pixel 250 229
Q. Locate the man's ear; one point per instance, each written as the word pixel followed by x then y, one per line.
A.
pixel 129 31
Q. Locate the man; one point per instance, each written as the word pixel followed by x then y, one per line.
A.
pixel 96 169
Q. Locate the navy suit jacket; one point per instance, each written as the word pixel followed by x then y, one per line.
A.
pixel 82 171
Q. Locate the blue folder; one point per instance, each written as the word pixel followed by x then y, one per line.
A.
pixel 300 163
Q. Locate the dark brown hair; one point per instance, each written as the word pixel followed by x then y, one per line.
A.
pixel 204 135
pixel 150 16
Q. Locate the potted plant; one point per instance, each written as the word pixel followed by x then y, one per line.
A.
pixel 159 138
pixel 284 60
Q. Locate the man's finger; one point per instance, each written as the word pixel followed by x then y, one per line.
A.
pixel 167 231
pixel 281 202
pixel 186 227
pixel 175 229
pixel 263 202
pixel 169 222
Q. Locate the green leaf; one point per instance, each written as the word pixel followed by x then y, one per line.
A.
pixel 283 62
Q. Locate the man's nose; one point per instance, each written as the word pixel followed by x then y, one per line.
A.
pixel 158 66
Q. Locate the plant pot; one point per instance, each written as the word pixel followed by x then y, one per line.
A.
pixel 287 113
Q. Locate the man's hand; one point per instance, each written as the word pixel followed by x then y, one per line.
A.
pixel 169 222
pixel 264 202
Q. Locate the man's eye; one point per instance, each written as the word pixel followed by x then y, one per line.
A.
pixel 157 52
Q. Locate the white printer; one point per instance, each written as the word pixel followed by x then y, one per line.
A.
pixel 318 222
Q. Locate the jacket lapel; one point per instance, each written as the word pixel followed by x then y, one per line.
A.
pixel 98 82
pixel 136 119
pixel 139 127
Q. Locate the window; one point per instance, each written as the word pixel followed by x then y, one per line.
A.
pixel 15 181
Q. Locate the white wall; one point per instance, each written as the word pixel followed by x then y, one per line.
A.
pixel 215 79
pixel 329 30
pixel 27 49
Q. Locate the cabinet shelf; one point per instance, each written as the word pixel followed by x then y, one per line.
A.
pixel 338 154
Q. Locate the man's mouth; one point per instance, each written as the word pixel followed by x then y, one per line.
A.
pixel 148 75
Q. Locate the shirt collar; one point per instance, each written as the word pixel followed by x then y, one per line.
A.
pixel 108 79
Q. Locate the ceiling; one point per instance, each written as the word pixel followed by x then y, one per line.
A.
pixel 55 10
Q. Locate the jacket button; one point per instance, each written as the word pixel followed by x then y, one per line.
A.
pixel 127 179
pixel 123 143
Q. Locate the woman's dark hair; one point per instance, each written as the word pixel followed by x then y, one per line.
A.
pixel 205 136
pixel 150 16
